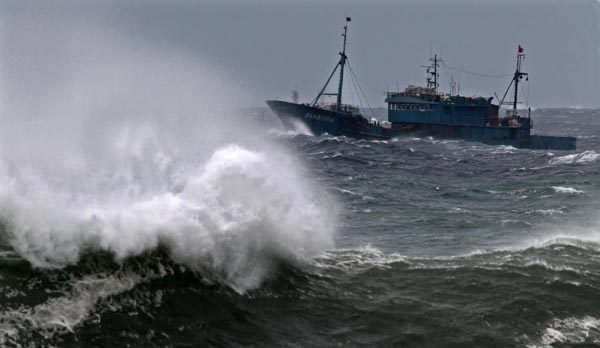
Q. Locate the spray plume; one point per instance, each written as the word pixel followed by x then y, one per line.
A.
pixel 109 144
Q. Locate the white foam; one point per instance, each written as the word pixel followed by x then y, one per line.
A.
pixel 301 128
pixel 231 218
pixel 549 212
pixel 352 193
pixel 570 330
pixel 357 260
pixel 502 149
pixel 583 238
pixel 64 313
pixel 335 155
pixel 457 210
pixel 578 158
pixel 131 149
pixel 561 189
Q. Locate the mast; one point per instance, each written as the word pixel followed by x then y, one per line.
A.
pixel 518 76
pixel 432 73
pixel 435 73
pixel 515 80
pixel 342 63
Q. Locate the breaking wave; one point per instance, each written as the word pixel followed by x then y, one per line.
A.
pixel 135 159
pixel 561 189
pixel 579 331
pixel 232 218
pixel 578 158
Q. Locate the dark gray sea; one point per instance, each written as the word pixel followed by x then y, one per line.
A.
pixel 434 243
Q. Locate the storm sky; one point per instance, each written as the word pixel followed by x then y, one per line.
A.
pixel 272 47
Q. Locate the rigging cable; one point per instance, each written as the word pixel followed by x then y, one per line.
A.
pixel 352 73
pixel 353 81
pixel 368 84
pixel 448 76
pixel 352 94
pixel 475 73
pixel 356 88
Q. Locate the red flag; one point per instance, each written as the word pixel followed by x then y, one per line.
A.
pixel 348 19
pixel 520 49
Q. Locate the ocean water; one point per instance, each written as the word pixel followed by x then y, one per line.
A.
pixel 411 242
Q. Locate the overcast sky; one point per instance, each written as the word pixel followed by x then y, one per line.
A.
pixel 272 47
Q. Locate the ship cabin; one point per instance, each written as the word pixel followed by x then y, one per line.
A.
pixel 422 105
pixel 422 108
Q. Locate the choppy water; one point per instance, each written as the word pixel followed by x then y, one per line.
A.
pixel 437 243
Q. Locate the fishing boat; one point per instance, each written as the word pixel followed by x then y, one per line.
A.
pixel 422 111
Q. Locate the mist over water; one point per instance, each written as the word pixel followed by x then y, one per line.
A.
pixel 112 145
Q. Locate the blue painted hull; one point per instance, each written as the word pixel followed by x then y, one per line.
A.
pixel 320 121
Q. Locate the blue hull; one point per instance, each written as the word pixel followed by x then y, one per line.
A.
pixel 320 121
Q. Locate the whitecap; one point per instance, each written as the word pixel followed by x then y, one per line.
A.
pixel 575 330
pixel 64 313
pixel 548 212
pixel 457 210
pixel 578 158
pixel 502 149
pixel 570 190
pixel 357 260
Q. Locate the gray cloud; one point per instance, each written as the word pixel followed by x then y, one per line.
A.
pixel 272 46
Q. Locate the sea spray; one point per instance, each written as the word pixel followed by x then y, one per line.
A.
pixel 232 220
pixel 128 148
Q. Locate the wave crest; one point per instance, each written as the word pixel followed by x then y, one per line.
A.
pixel 232 220
pixel 577 158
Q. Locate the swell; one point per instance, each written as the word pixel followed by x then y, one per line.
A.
pixel 504 297
pixel 95 300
